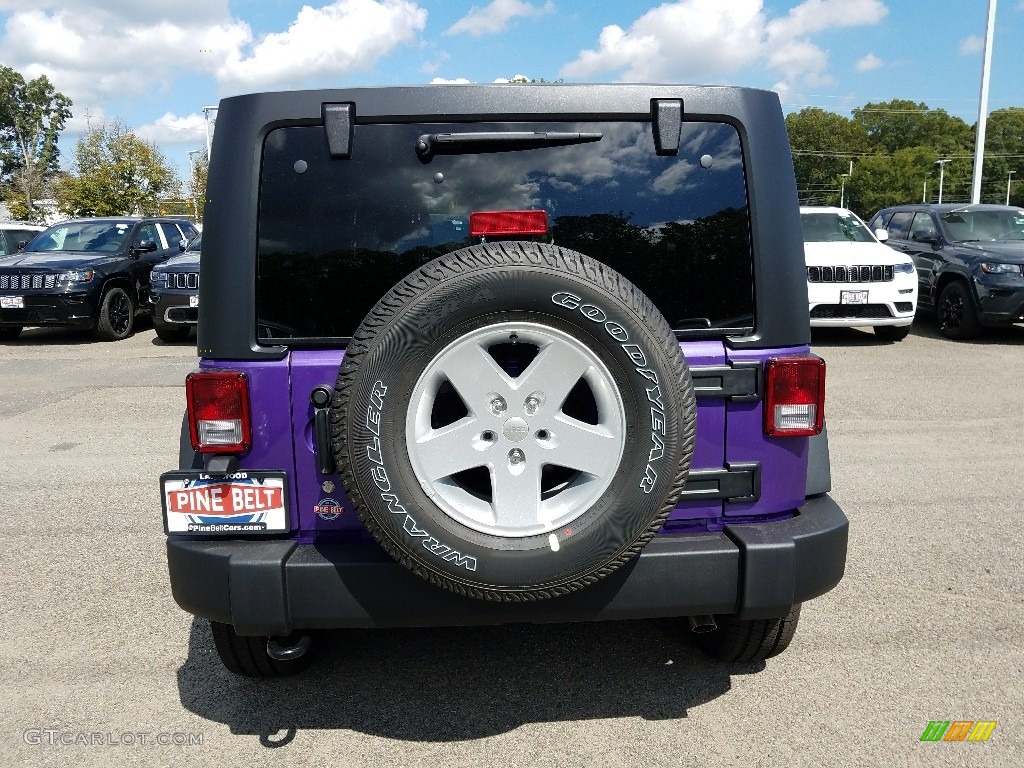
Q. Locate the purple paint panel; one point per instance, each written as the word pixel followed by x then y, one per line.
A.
pixel 322 503
pixel 783 459
pixel 709 452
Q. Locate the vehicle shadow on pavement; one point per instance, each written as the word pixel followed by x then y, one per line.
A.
pixel 453 684
pixel 52 337
pixel 847 337
pixel 927 327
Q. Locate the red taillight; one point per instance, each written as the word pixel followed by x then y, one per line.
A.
pixel 218 411
pixel 505 223
pixel 794 404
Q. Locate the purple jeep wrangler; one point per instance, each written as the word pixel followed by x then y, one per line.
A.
pixel 511 353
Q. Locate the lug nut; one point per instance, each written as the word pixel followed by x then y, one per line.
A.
pixel 516 456
pixel 532 404
pixel 498 406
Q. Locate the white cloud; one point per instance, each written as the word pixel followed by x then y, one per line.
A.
pixel 172 129
pixel 93 50
pixel 868 63
pixel 691 40
pixel 495 17
pixel 344 36
pixel 90 54
pixel 444 81
pixel 682 40
pixel 971 45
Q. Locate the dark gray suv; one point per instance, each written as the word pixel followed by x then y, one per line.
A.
pixel 969 260
pixel 496 354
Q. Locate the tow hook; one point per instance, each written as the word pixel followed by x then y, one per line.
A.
pixel 702 624
pixel 285 648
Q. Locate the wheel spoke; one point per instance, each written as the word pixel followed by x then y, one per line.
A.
pixel 516 495
pixel 443 452
pixel 555 371
pixel 474 374
pixel 589 448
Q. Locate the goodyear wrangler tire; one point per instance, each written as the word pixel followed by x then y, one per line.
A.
pixel 513 421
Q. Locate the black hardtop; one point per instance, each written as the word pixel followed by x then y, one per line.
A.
pixel 228 328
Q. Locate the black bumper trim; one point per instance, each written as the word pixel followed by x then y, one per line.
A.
pixel 755 570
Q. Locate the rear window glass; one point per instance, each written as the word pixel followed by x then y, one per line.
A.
pixel 336 235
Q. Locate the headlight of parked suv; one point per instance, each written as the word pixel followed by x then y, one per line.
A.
pixel 75 277
pixel 994 268
pixel 157 279
pixel 906 268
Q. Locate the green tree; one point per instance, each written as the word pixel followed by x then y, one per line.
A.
pixel 901 124
pixel 197 186
pixel 823 144
pixel 115 173
pixel 883 180
pixel 32 115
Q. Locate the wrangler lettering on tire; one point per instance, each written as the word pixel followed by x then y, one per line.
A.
pixel 513 421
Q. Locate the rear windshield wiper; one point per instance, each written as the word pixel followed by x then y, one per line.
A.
pixel 428 145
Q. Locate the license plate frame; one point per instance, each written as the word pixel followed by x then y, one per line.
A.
pixel 12 302
pixel 246 502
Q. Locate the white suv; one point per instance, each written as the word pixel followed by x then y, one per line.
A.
pixel 854 280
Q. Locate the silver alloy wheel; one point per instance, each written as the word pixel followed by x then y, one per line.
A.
pixel 516 429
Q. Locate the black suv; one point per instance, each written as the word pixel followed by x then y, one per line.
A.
pixel 174 294
pixel 87 273
pixel 969 259
pixel 497 354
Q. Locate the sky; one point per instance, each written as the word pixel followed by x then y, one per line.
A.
pixel 155 64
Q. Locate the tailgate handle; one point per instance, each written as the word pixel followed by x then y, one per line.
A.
pixel 321 398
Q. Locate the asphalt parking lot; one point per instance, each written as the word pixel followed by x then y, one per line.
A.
pixel 927 440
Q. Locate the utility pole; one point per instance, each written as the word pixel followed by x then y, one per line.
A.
pixel 1009 178
pixel 986 70
pixel 942 173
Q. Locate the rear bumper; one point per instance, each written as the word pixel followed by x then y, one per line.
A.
pixel 756 570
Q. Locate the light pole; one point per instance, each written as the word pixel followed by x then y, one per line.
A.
pixel 979 139
pixel 942 174
pixel 842 191
pixel 209 134
pixel 1009 178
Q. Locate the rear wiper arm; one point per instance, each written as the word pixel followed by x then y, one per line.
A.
pixel 430 144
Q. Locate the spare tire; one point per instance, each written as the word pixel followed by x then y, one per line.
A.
pixel 513 421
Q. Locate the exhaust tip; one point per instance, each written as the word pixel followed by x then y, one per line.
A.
pixel 701 624
pixel 291 647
